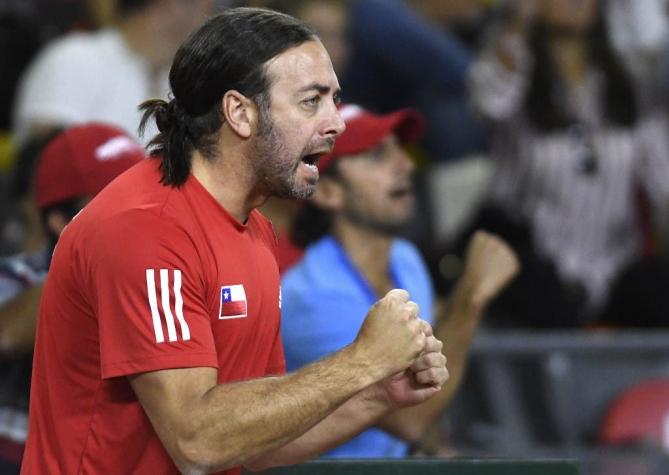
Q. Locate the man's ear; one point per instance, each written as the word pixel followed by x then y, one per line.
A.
pixel 329 194
pixel 240 113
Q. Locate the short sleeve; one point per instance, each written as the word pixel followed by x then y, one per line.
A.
pixel 150 296
pixel 412 274
pixel 277 360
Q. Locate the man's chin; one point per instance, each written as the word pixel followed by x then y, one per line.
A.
pixel 297 193
pixel 305 193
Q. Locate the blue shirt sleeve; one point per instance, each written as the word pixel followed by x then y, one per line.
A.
pixel 316 324
pixel 411 273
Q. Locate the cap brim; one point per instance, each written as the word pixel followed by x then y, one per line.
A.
pixel 408 126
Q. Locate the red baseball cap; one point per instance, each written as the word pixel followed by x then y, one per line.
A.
pixel 82 160
pixel 365 130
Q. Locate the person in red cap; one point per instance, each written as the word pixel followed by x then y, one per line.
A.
pixel 158 347
pixel 73 167
pixel 76 166
pixel 363 200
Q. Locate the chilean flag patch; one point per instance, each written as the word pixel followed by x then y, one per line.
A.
pixel 233 302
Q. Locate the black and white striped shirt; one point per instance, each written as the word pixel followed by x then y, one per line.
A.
pixel 576 187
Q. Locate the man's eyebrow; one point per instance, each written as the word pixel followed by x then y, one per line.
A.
pixel 321 88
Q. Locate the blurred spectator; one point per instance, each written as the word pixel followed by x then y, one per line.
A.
pixel 22 229
pixel 74 167
pixel 20 37
pixel 571 147
pixel 105 75
pixel 97 76
pixel 25 25
pixel 363 198
pixel 388 56
pixel 467 19
pixel 640 33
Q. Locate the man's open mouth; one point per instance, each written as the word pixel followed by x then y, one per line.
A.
pixel 313 158
pixel 401 191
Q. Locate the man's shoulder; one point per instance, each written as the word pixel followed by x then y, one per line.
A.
pixel 406 252
pixel 135 205
pixel 407 260
pixel 321 269
pixel 410 268
pixel 125 242
pixel 138 188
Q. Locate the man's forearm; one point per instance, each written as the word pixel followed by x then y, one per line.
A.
pixel 206 426
pixel 457 324
pixel 356 414
pixel 490 264
pixel 233 423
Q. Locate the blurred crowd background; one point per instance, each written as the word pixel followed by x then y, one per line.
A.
pixel 546 125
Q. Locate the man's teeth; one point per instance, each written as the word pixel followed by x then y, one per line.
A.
pixel 311 158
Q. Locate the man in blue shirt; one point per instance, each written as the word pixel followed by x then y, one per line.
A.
pixel 364 198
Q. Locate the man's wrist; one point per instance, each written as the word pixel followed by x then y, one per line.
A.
pixel 369 368
pixel 465 300
pixel 376 400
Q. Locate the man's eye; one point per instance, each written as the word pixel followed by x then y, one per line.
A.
pixel 379 153
pixel 312 101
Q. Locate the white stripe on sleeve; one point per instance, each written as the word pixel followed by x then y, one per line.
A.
pixel 179 306
pixel 153 304
pixel 165 300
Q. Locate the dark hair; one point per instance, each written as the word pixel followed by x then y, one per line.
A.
pixel 545 101
pixel 27 160
pixel 67 208
pixel 228 52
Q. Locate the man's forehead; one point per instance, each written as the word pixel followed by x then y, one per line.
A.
pixel 387 141
pixel 304 67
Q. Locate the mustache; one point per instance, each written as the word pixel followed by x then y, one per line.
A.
pixel 328 142
pixel 325 145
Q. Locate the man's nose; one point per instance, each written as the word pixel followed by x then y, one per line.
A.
pixel 403 161
pixel 335 125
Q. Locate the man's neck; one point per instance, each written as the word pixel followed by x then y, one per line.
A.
pixel 229 182
pixel 369 250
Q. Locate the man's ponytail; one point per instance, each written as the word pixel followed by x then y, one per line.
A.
pixel 173 144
